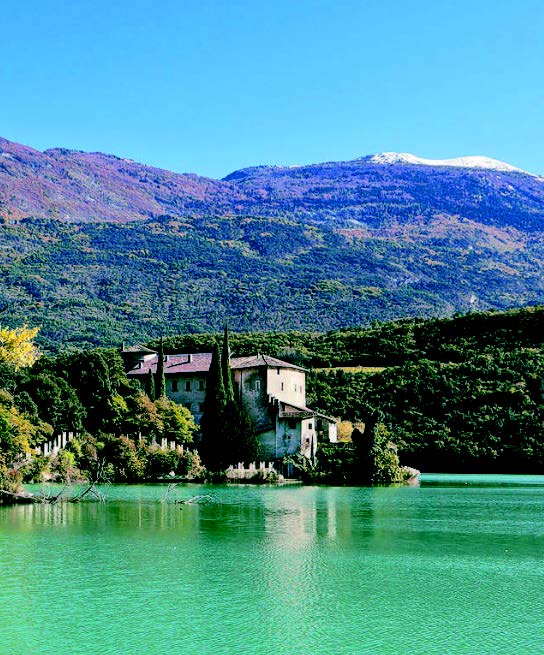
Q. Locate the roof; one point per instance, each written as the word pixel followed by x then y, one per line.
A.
pixel 287 410
pixel 258 360
pixel 190 363
pixel 137 349
pixel 200 363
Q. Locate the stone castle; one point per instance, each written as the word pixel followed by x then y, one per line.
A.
pixel 273 391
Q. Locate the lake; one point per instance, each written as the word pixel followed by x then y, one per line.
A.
pixel 453 566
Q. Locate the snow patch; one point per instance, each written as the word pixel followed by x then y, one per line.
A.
pixel 457 162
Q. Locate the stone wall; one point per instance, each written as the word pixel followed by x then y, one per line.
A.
pixel 251 382
pixel 192 398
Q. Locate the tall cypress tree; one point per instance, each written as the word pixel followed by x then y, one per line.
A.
pixel 160 384
pixel 240 440
pixel 225 367
pixel 244 442
pixel 150 385
pixel 212 425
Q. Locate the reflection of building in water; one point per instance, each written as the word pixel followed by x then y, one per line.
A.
pixel 273 391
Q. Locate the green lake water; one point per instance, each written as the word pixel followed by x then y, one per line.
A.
pixel 454 566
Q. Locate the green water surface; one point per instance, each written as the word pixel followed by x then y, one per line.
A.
pixel 454 566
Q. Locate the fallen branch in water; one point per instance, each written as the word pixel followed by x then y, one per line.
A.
pixel 168 491
pixel 201 499
pixel 98 477
pixel 20 497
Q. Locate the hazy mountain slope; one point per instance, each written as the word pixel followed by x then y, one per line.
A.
pixel 376 190
pixel 379 193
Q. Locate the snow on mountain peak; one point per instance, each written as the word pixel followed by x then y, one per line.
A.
pixel 457 162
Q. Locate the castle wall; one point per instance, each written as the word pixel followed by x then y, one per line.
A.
pixel 287 384
pixel 188 390
pixel 267 442
pixel 251 383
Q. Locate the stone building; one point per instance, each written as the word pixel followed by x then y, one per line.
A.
pixel 273 391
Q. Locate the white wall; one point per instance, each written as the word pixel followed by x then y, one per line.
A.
pixel 287 384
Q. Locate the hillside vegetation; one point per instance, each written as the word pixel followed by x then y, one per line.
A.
pixel 101 284
pixel 462 394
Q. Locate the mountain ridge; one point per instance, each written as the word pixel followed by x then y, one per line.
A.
pixel 78 186
pixel 97 249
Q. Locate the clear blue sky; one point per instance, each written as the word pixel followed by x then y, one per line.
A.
pixel 211 86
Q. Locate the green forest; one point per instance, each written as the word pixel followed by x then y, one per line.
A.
pixel 89 285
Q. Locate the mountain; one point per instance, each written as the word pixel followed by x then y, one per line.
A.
pixel 383 190
pixel 75 186
pixel 376 190
pixel 97 249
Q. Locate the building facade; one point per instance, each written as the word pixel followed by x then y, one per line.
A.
pixel 273 391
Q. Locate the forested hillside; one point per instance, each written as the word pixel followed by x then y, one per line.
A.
pixel 101 284
pixel 462 394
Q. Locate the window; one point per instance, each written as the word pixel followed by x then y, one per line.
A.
pixel 201 385
pixel 310 425
pixel 282 386
pixel 292 423
pixel 174 385
pixel 278 371
pixel 187 385
pixel 295 386
pixel 253 385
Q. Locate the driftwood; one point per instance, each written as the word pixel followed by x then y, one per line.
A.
pixel 97 479
pixel 21 498
pixel 202 499
pixel 168 491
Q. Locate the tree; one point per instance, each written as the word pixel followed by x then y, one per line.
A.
pixel 17 347
pixel 177 421
pixel 212 424
pixel 240 440
pixel 225 366
pixel 160 384
pixel 56 402
pixel 375 458
pixel 150 385
pixel 89 375
pixel 243 438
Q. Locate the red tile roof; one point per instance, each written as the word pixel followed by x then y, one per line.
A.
pixel 293 411
pixel 258 360
pixel 200 363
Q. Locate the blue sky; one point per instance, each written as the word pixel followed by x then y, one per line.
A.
pixel 208 87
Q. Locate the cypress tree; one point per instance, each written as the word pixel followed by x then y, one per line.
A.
pixel 240 440
pixel 160 385
pixel 212 425
pixel 244 440
pixel 150 385
pixel 225 367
